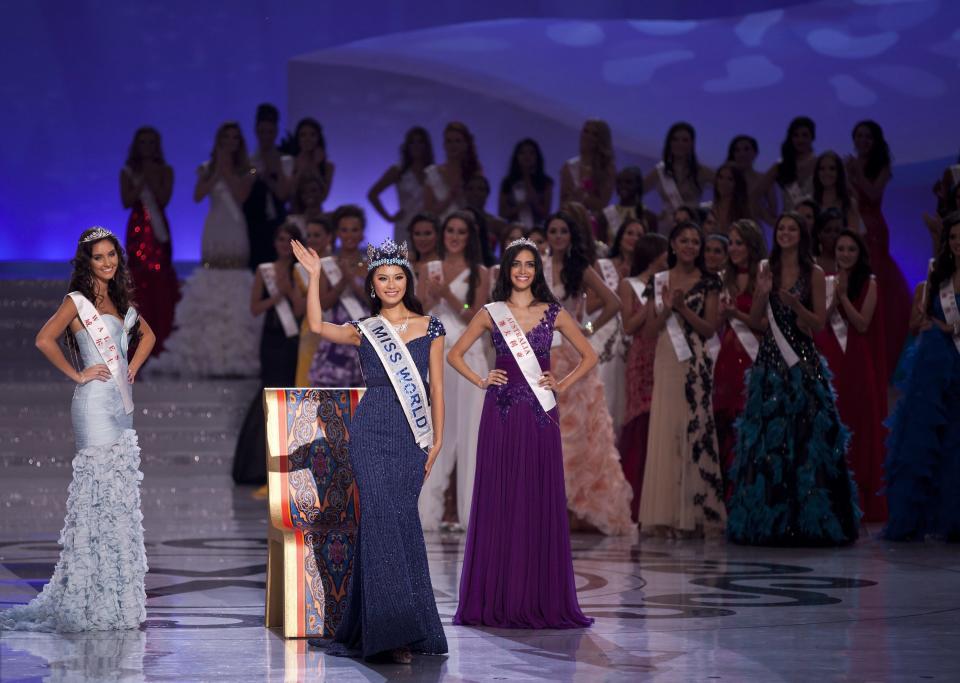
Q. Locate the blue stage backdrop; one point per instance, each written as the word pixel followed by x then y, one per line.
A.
pixel 78 78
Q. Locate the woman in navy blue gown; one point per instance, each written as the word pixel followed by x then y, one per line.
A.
pixel 390 607
pixel 923 450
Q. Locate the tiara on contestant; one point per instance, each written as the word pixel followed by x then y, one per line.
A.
pixel 389 253
pixel 523 241
pixel 98 233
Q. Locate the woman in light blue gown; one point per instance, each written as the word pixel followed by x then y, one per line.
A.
pixel 98 583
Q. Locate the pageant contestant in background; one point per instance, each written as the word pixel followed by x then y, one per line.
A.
pixel 275 293
pixel 678 177
pixel 793 172
pixel 852 345
pixel 453 289
pixel 830 189
pixel 738 344
pixel 742 153
pixel 311 157
pixel 597 493
pixel 608 340
pixel 265 208
pixel 409 177
pixel 923 461
pixel 320 235
pixel 424 231
pixel 868 174
pixel 527 191
pixel 629 204
pixel 731 198
pixel 715 253
pixel 344 298
pixel 649 258
pixel 146 184
pixel 517 566
pixel 390 607
pixel 97 584
pixel 215 334
pixel 826 228
pixel 446 182
pixel 791 485
pixel 682 495
pixel 590 177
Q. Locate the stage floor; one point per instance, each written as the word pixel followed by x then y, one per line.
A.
pixel 668 611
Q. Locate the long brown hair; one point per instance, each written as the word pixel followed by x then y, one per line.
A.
pixel 472 253
pixel 134 161
pixel 752 237
pixel 241 159
pixel 470 163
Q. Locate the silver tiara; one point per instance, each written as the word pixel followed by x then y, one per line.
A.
pixel 98 233
pixel 389 253
pixel 524 241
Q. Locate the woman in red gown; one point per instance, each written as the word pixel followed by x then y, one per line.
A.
pixel 868 174
pixel 854 312
pixel 747 248
pixel 146 183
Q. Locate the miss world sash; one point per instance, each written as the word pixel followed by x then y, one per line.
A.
pixel 948 300
pixel 268 272
pixel 677 338
pixel 669 186
pixel 349 300
pixel 790 356
pixel 522 352
pixel 837 322
pixel 108 348
pixel 403 374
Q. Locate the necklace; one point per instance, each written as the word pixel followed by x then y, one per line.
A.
pixel 402 327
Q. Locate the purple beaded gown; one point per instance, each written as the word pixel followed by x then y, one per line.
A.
pixel 517 567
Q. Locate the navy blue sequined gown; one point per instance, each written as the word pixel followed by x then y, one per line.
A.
pixel 791 485
pixel 391 603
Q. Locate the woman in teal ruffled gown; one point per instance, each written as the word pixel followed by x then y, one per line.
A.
pixel 97 584
pixel 923 450
pixel 790 477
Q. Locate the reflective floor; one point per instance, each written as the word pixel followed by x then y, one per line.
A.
pixel 665 610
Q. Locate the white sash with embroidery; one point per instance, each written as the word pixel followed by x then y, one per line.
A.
pixel 948 301
pixel 349 300
pixel 557 339
pixel 837 322
pixel 639 289
pixel 677 338
pixel 403 374
pixel 747 339
pixel 302 273
pixel 110 350
pixel 669 186
pixel 790 356
pixel 268 272
pixel 522 352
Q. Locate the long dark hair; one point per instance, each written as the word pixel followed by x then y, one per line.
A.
pixel 410 299
pixel 787 169
pixel 134 162
pixel 540 179
pixel 406 159
pixel 504 286
pixel 804 252
pixel 309 122
pixel 649 247
pixel 752 237
pixel 740 201
pixel 693 166
pixel 861 271
pixel 824 217
pixel 944 264
pixel 82 279
pixel 575 261
pixel 842 191
pixel 472 253
pixel 752 141
pixel 879 157
pixel 616 248
pixel 422 217
pixel 470 164
pixel 672 255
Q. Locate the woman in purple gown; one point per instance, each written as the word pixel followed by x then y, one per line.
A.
pixel 517 567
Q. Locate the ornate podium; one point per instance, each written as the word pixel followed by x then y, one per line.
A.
pixel 314 508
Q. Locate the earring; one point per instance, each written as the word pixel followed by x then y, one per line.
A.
pixel 373 294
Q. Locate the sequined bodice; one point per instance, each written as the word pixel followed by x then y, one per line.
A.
pixel 373 372
pixel 539 337
pixel 801 342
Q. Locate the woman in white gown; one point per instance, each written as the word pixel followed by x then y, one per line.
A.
pixel 215 334
pixel 446 182
pixel 409 176
pixel 98 582
pixel 453 289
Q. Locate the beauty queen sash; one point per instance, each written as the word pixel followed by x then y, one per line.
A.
pixel 669 186
pixel 403 374
pixel 677 338
pixel 639 289
pixel 108 348
pixel 522 352
pixel 268 272
pixel 349 300
pixel 837 322
pixel 948 300
pixel 790 356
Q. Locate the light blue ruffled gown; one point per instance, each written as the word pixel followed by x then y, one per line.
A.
pixel 98 584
